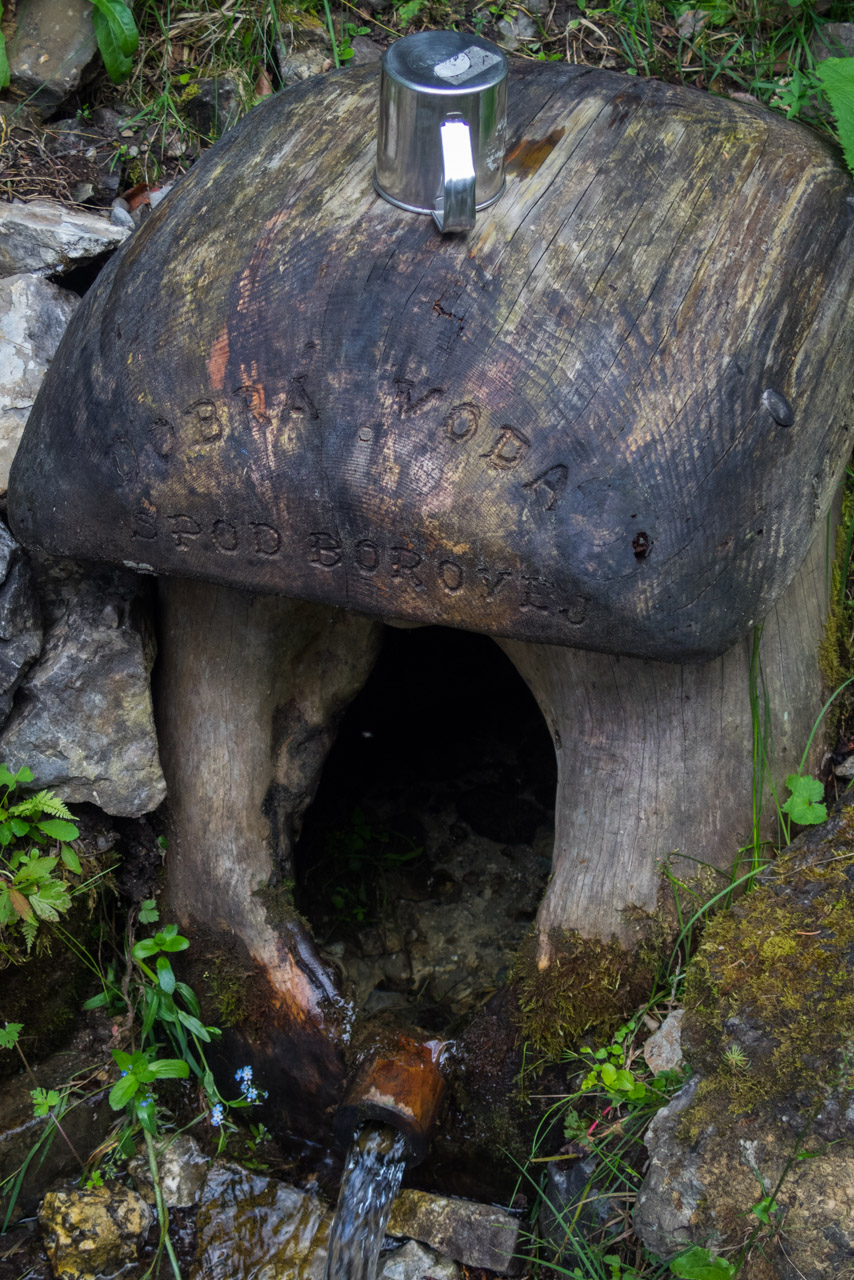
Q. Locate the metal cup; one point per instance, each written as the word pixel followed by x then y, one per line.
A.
pixel 442 127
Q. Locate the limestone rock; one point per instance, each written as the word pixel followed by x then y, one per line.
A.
pixel 769 1007
pixel 416 1262
pixel 33 317
pixel 477 1235
pixel 44 238
pixel 91 1233
pixel 833 40
pixel 249 1226
pixel 82 719
pixel 182 1167
pixel 52 47
pixel 516 30
pixel 663 1049
pixel 20 619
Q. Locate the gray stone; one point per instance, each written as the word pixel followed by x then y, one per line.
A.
pixel 478 1235
pixel 53 45
pixel 301 64
pixel 82 718
pixel 516 30
pixel 95 1232
pixel 20 619
pixel 671 1190
pixel 833 40
pixel 663 1049
pixel 182 1168
pixel 215 107
pixel 33 317
pixel 45 238
pixel 364 51
pixel 254 1228
pixel 416 1262
pixel 576 1207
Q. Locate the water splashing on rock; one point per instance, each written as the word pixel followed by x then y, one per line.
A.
pixel 372 1177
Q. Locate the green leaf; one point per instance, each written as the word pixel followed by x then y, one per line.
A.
pixel 19 827
pixel 58 830
pixel 169 1069
pixel 609 1075
pixel 174 944
pixel 9 1034
pixel 836 76
pixel 43 1100
pixel 698 1264
pixel 194 1026
pixel 120 18
pixel 122 1059
pixel 189 997
pixel 122 1092
pixel 145 947
pixel 35 869
pixel 118 64
pixel 165 976
pixel 802 805
pixel 96 1002
pixel 148 913
pixel 70 859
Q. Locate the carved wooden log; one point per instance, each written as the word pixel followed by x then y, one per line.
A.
pixel 611 418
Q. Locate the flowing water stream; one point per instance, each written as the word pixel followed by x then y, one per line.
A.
pixel 372 1177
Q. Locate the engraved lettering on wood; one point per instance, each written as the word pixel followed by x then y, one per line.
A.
pixel 537 593
pixel 254 400
pixel 268 540
pixel 462 421
pixel 324 550
pixel 509 449
pixel 405 403
pixel 225 536
pixel 300 402
pixel 203 414
pixel 367 555
pixel 550 487
pixel 404 562
pixel 493 579
pixel 184 530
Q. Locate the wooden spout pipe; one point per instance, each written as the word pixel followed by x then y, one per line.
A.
pixel 403 1089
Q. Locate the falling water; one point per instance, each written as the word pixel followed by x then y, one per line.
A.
pixel 372 1177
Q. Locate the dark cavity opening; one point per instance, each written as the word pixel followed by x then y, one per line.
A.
pixel 425 854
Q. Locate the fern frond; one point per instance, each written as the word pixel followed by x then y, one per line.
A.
pixel 40 803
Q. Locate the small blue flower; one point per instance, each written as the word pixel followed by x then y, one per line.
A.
pixel 243 1075
pixel 217 1114
pixel 251 1093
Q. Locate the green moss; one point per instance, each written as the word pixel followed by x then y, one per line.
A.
pixel 769 994
pixel 836 651
pixel 588 986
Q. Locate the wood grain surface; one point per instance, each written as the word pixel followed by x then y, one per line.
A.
pixel 609 418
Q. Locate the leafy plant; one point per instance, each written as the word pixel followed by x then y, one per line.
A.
pixel 31 890
pixel 836 77
pixel 117 36
pixel 803 805
pixel 698 1264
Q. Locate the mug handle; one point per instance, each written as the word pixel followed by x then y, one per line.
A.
pixel 454 206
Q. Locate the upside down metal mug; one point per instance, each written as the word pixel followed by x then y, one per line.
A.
pixel 442 126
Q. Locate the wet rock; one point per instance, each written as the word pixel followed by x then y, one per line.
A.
pixel 93 1233
pixel 663 1050
pixel 672 1188
pixel 33 316
pixel 477 1235
pixel 82 718
pixel 182 1167
pixel 416 1262
pixel 250 1226
pixel 53 46
pixel 85 1126
pixel 20 619
pixel 45 238
pixel 574 1205
pixel 214 106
